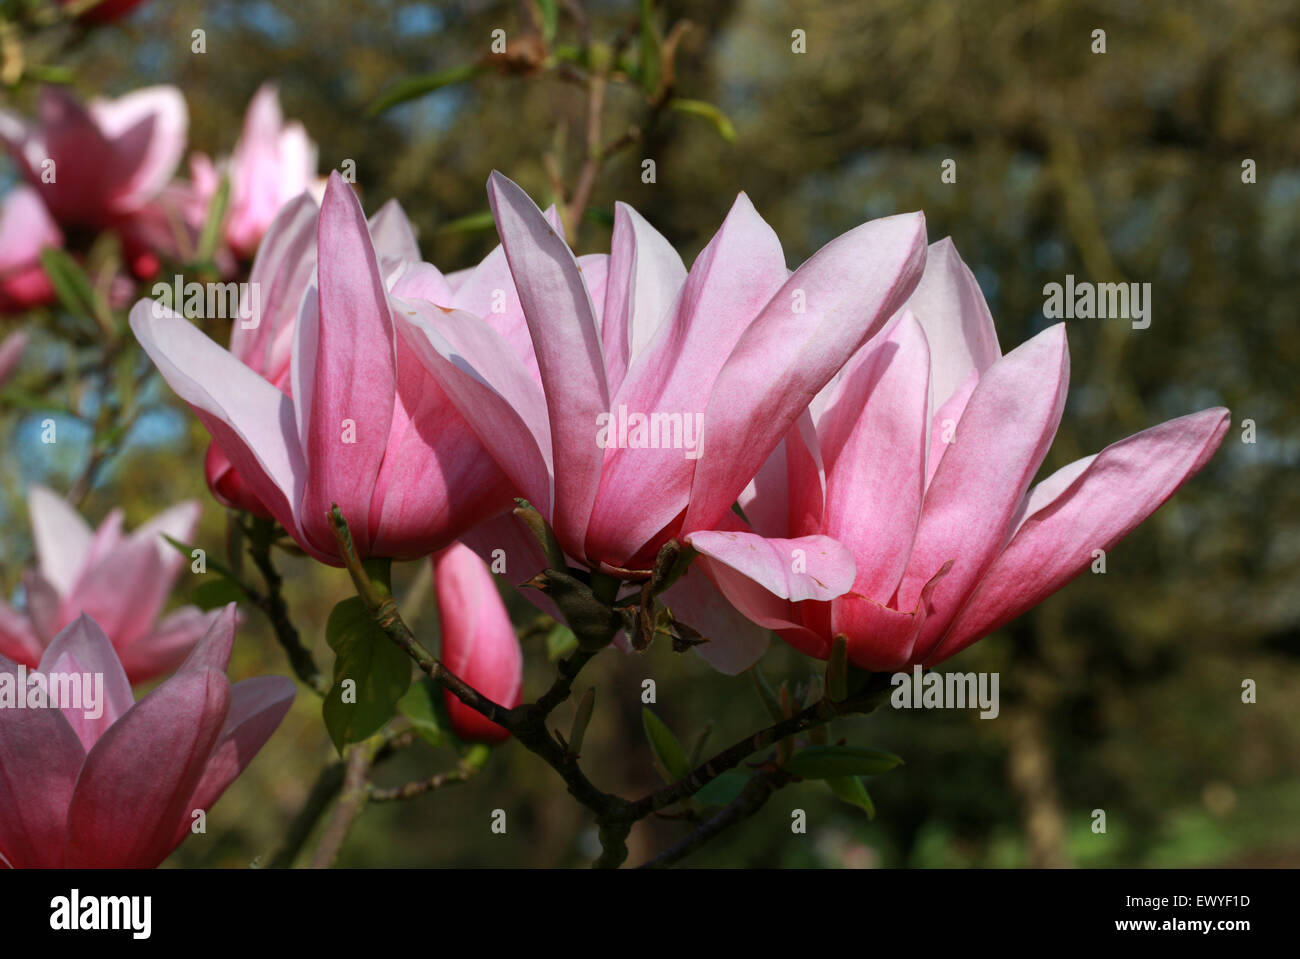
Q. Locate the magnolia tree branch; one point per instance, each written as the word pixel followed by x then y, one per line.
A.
pixel 527 722
pixel 751 799
pixel 260 537
pixel 356 790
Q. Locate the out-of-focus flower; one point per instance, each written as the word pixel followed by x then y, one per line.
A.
pixel 478 641
pixel 631 401
pixel 26 228
pixel 918 460
pixel 120 789
pixel 121 580
pixel 273 162
pixel 95 165
pixel 11 355
pixel 364 426
pixel 105 11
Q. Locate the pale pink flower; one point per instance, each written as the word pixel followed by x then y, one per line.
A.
pixel 272 162
pixel 916 465
pixel 121 580
pixel 26 228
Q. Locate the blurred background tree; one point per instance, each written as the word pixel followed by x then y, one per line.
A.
pixel 1123 693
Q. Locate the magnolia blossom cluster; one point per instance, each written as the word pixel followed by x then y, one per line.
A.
pixel 865 451
pixel 844 447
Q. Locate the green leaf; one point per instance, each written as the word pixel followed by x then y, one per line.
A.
pixel 216 592
pixel 723 790
pixel 560 642
pixel 851 790
pixel 665 746
pixel 71 284
pixel 421 706
pixel 830 762
pixel 550 19
pixel 706 111
pixel 211 235
pixel 188 552
pixel 473 223
pixel 367 657
pixel 411 88
pixel 650 43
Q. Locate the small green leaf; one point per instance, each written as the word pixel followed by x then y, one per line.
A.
pixel 665 746
pixel 473 223
pixel 829 762
pixel 706 111
pixel 367 657
pixel 650 43
pixel 210 237
pixel 560 642
pixel 724 789
pixel 71 284
pixel 216 592
pixel 420 706
pixel 550 19
pixel 851 790
pixel 411 88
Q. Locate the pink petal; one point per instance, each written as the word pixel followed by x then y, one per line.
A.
pixel 280 273
pixel 17 641
pixel 944 424
pixel 257 707
pixel 565 334
pixel 1093 508
pixel 645 276
pixel 852 286
pixel 167 645
pixel 809 567
pixel 61 536
pixel 135 784
pixel 644 489
pixel 146 130
pixel 489 386
pixel 393 234
pixel 875 488
pixel 40 757
pixel 82 648
pixel 352 374
pixel 1003 436
pixel 882 639
pixel 956 320
pixel 251 420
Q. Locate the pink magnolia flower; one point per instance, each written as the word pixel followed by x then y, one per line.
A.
pixel 738 347
pixel 364 426
pixel 917 465
pixel 26 229
pixel 120 790
pixel 11 355
pixel 96 165
pixel 272 163
pixel 478 640
pixel 121 580
pixel 726 356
